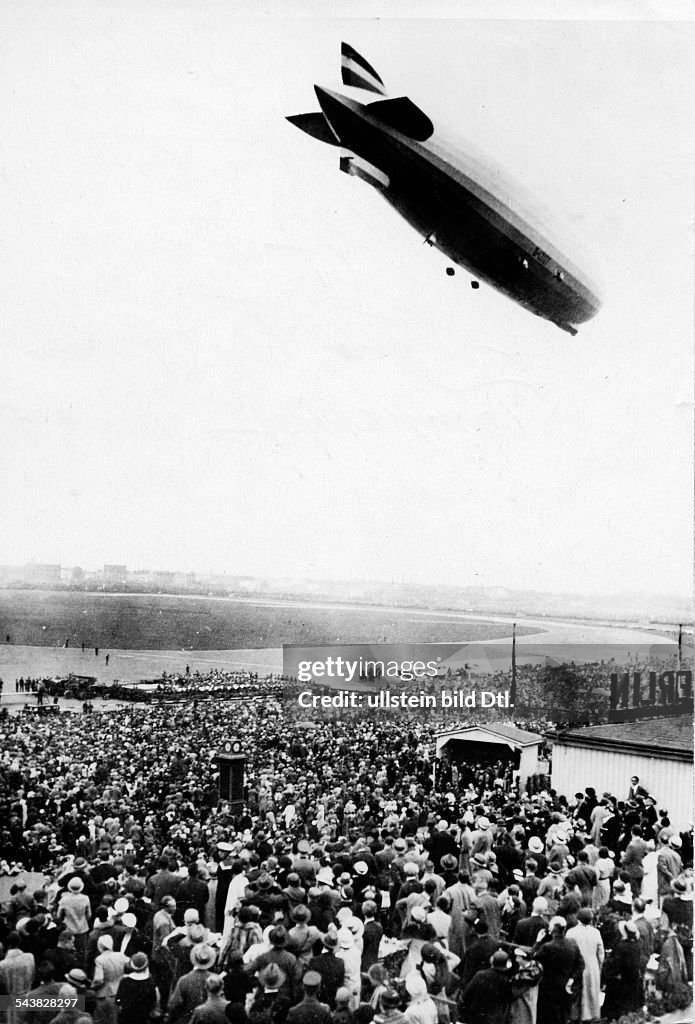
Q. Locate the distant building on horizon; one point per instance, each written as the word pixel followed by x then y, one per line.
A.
pixel 115 574
pixel 41 573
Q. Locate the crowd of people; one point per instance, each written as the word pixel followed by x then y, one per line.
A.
pixel 356 883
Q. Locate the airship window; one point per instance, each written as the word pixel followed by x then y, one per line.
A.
pixel 559 275
pixel 524 264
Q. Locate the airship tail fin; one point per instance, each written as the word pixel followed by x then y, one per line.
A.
pixel 356 71
pixel 314 125
pixel 404 116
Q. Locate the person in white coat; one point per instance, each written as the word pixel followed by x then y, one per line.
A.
pixel 590 945
pixel 349 953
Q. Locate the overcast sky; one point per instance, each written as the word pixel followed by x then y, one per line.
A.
pixel 219 353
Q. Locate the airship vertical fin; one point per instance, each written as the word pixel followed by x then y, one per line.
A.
pixel 356 71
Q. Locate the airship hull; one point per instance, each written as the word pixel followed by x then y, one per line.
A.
pixel 458 201
pixel 459 210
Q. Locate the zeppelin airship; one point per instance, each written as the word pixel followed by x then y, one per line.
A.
pixel 457 199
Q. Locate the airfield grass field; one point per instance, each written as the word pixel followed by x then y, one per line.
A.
pixel 163 622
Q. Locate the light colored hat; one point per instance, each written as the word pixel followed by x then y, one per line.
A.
pixel 75 884
pixel 129 920
pixel 203 956
pixel 415 984
pixel 104 943
pixel 121 906
pixel 418 914
pixel 326 877
pixel 77 976
pixel 535 844
pixel 442 825
pixel 483 822
pixel 361 867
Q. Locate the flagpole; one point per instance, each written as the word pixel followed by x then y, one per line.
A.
pixel 680 644
pixel 512 692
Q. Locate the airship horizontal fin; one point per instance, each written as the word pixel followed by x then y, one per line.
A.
pixel 356 71
pixel 314 125
pixel 404 116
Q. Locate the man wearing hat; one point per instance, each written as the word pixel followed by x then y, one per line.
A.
pixel 303 865
pixel 330 968
pixel 302 937
pixel 80 982
pixel 279 955
pixel 536 851
pixel 225 873
pixel 479 949
pixel 487 997
pixel 191 989
pixel 270 1004
pixel 192 892
pixel 294 892
pixel 440 843
pixel 310 1010
pixel 481 839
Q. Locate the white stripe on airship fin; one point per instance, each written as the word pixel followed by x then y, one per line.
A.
pixel 356 71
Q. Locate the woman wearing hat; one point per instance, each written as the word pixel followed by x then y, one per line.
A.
pixel 137 995
pixel 351 956
pixel 109 968
pixel 421 1009
pixel 389 1011
pixel 622 974
pixel 74 913
pixel 605 869
pixel 378 977
pixel 677 914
